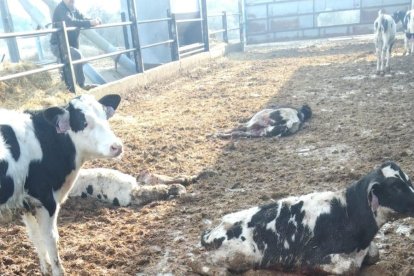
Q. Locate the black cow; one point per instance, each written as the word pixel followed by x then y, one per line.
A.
pixel 322 232
pixel 41 153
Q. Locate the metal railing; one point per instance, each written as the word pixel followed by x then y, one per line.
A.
pixel 67 64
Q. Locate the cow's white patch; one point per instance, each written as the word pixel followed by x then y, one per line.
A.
pixel 106 185
pixel 390 172
pixel 286 244
pixel 316 204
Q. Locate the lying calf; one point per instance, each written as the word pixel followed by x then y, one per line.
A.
pixel 326 232
pixel 271 122
pixel 122 189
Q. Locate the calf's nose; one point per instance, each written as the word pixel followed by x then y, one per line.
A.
pixel 116 149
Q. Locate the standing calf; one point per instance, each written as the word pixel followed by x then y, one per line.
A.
pixel 325 232
pixel 271 122
pixel 407 21
pixel 41 153
pixel 384 38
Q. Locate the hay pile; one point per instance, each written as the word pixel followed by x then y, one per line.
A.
pixel 30 92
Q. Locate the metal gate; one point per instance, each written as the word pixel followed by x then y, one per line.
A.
pixel 280 20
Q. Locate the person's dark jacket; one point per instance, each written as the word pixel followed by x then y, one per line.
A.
pixel 72 19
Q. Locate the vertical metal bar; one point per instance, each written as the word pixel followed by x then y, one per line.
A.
pixel 125 33
pixel 139 63
pixel 204 24
pixel 173 34
pixel 9 28
pixel 65 56
pixel 226 33
pixel 242 24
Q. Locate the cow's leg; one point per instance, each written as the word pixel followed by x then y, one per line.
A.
pixel 383 53
pixel 406 46
pixel 378 52
pixel 372 255
pixel 48 230
pixel 33 231
pixel 387 65
pixel 146 194
pixel 348 264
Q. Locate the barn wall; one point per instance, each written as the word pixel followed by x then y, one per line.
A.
pixel 278 20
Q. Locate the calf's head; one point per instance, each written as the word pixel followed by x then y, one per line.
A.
pixel 306 111
pixel 85 120
pixel 391 192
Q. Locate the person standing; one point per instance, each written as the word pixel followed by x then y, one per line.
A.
pixel 66 11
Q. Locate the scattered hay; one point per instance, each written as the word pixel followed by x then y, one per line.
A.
pixel 31 92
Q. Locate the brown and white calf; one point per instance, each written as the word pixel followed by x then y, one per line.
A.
pixel 384 38
pixel 41 153
pixel 271 122
pixel 322 232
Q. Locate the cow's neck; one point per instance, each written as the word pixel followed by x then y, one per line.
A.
pixel 361 216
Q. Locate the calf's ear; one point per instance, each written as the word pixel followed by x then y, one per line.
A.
pixel 58 117
pixel 372 198
pixel 110 103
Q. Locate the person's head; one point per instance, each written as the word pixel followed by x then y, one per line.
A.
pixel 69 3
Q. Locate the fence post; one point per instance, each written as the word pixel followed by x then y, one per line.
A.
pixel 225 33
pixel 66 58
pixel 173 34
pixel 242 24
pixel 139 63
pixel 125 32
pixel 9 28
pixel 205 25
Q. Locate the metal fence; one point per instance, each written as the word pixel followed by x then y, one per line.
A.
pixel 278 20
pixel 135 49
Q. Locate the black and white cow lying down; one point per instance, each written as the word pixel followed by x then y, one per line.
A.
pixel 121 189
pixel 322 232
pixel 269 122
pixel 41 153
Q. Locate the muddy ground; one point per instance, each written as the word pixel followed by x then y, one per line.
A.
pixel 360 120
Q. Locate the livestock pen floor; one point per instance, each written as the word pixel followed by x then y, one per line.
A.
pixel 359 121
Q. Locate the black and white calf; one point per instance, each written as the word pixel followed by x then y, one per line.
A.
pixel 122 189
pixel 41 153
pixel 322 232
pixel 271 122
pixel 384 38
pixel 407 21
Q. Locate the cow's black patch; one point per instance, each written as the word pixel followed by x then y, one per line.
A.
pixel 84 195
pixel 89 189
pixel 384 24
pixel 280 127
pixel 242 238
pixel 49 174
pixel 9 137
pixel 77 118
pixel 235 231
pixel 6 183
pixel 99 196
pixel 105 196
pixel 115 202
pixel 216 243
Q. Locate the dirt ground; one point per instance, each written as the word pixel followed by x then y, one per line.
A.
pixel 360 120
